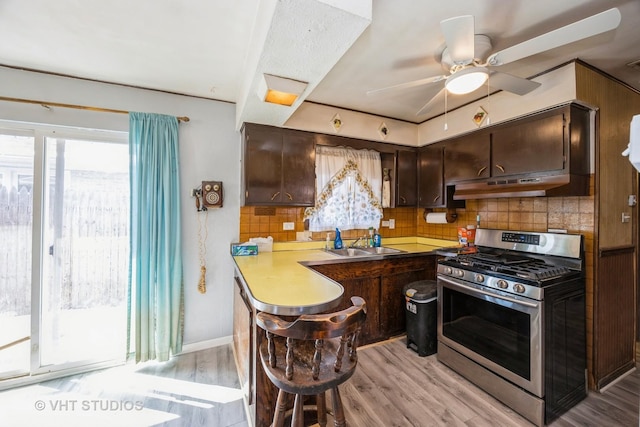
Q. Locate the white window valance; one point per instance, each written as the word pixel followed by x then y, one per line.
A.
pixel 348 188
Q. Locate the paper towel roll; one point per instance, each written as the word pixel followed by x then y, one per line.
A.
pixel 437 218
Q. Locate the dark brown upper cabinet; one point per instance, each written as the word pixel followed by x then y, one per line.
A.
pixel 542 154
pixel 532 146
pixel 406 178
pixel 430 176
pixel 553 141
pixel 467 157
pixel 279 166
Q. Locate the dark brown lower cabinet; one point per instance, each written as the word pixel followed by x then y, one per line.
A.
pixel 381 284
pixel 392 301
pixel 369 289
pixel 243 340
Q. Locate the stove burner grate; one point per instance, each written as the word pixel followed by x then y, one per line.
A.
pixel 535 271
pixel 513 265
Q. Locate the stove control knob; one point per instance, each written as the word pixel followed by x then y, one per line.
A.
pixel 518 288
pixel 448 270
pixel 479 278
pixel 459 273
pixel 502 284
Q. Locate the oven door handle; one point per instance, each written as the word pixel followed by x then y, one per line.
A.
pixel 490 294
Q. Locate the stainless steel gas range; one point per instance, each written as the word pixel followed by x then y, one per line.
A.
pixel 511 319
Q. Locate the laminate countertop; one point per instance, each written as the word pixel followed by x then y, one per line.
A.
pixel 280 282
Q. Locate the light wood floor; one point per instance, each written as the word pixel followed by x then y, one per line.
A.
pixel 392 386
pixel 192 389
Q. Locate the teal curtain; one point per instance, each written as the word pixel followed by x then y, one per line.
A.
pixel 155 276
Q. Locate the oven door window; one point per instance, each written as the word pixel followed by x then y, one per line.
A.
pixel 490 328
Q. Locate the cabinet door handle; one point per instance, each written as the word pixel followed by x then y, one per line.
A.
pixel 275 195
pixel 289 196
pixel 481 170
pixel 403 200
pixel 500 167
pixel 436 198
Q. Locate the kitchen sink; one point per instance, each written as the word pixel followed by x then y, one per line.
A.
pixel 349 252
pixel 359 252
pixel 382 250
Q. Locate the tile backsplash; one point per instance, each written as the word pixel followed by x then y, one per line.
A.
pixel 573 214
pixel 262 222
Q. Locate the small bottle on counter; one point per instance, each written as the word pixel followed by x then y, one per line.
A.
pixel 337 242
pixel 377 239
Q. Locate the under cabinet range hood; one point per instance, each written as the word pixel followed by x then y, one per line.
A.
pixel 543 154
pixel 523 186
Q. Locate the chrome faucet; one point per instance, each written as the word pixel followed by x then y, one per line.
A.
pixel 355 243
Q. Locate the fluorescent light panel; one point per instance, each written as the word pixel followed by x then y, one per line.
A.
pixel 280 90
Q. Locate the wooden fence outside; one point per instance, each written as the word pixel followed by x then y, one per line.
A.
pixel 86 266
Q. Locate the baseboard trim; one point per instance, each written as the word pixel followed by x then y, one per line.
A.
pixel 617 380
pixel 203 345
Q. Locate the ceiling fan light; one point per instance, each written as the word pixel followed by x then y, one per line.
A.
pixel 467 80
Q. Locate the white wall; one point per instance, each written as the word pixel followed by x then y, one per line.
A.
pixel 318 118
pixel 209 150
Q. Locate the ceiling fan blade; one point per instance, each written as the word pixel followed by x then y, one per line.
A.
pixel 407 85
pixel 596 24
pixel 458 34
pixel 511 83
pixel 426 107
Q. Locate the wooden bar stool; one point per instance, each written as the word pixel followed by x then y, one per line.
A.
pixel 309 356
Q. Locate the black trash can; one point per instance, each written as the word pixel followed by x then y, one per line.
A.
pixel 421 312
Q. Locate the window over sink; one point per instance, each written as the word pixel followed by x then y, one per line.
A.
pixel 348 188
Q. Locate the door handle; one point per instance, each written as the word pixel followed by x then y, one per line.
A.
pixel 500 167
pixel 289 196
pixel 275 195
pixel 436 198
pixel 481 170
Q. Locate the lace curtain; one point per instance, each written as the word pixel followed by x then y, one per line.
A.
pixel 348 189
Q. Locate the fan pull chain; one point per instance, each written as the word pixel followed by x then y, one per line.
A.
pixel 488 99
pixel 446 124
pixel 202 251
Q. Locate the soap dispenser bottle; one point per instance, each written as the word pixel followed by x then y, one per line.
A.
pixel 377 239
pixel 337 242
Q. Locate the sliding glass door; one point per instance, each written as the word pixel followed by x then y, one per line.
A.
pixel 16 205
pixel 67 245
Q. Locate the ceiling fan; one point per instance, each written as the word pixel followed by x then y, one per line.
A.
pixel 465 50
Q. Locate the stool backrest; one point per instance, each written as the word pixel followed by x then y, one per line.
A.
pixel 316 326
pixel 345 324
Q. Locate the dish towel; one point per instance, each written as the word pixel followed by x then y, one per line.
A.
pixel 386 188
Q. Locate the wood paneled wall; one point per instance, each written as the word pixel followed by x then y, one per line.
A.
pixel 613 320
